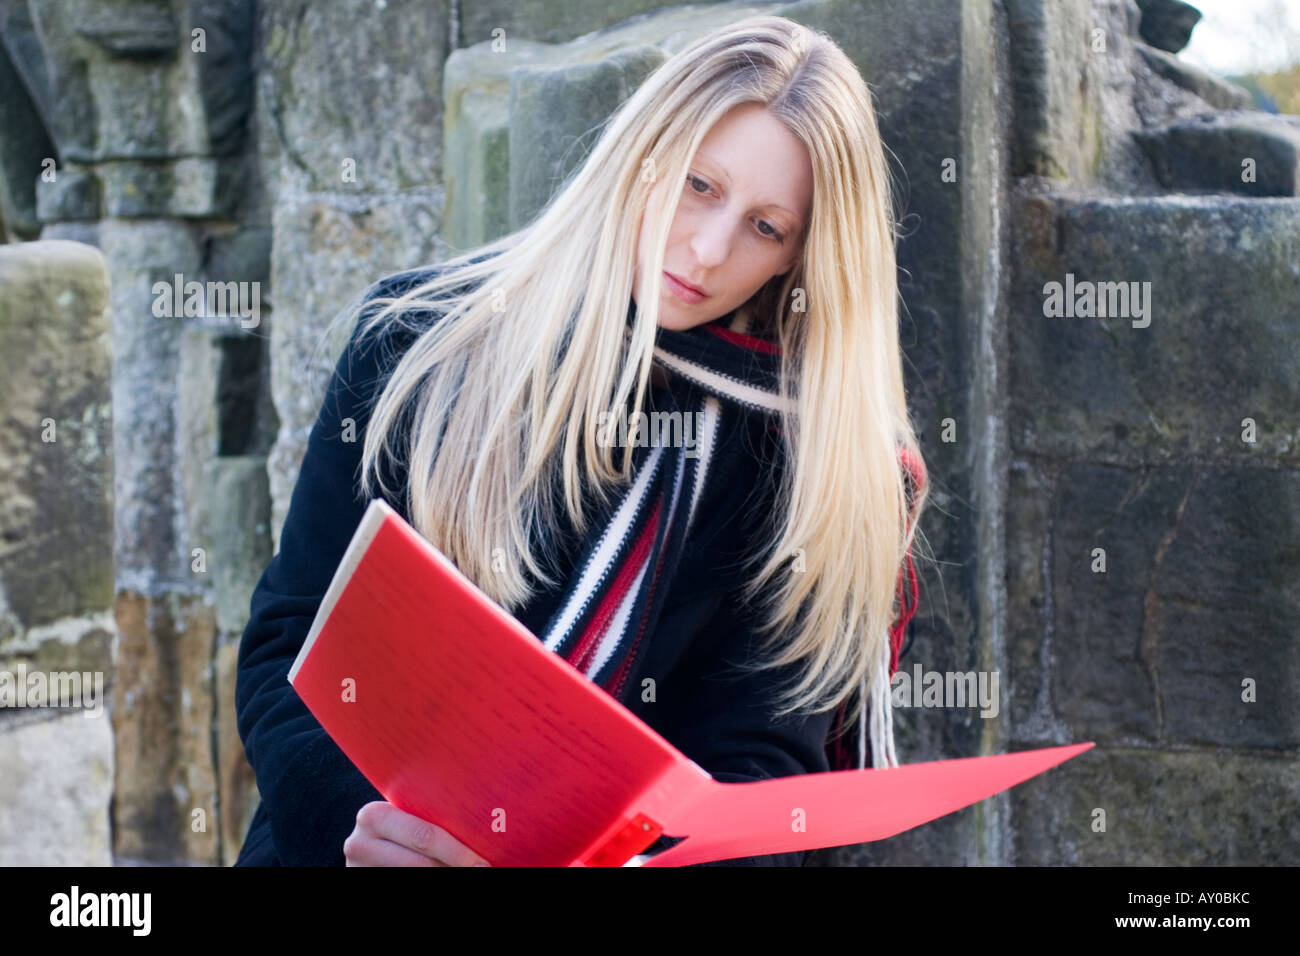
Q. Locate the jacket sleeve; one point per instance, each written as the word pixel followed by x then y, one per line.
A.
pixel 724 721
pixel 311 791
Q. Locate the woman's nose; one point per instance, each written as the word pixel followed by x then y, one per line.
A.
pixel 711 241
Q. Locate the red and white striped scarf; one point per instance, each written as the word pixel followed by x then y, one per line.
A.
pixel 615 593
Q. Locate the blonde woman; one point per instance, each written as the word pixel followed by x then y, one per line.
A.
pixel 722 263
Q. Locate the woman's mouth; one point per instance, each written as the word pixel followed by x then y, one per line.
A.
pixel 683 291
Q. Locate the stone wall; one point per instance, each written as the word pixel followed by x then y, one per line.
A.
pixel 304 149
pixel 56 559
pixel 1152 574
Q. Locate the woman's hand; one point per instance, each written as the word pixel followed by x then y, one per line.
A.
pixel 387 836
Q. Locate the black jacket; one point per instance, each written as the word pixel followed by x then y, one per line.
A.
pixel 311 792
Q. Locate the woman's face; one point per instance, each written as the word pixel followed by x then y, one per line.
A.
pixel 741 218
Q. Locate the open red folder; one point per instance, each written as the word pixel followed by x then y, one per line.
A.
pixel 458 714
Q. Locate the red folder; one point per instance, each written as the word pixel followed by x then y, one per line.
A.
pixel 458 714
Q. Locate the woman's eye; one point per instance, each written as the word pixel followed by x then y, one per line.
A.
pixel 766 229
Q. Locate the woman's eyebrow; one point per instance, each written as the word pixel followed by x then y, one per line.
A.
pixel 701 158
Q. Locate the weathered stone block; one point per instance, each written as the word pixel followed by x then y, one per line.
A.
pixel 553 111
pixel 56 784
pixel 1198 593
pixel 139 28
pixel 236 782
pixel 1216 345
pixel 1031 638
pixel 150 556
pixel 325 257
pixel 227 502
pixel 83 645
pixel 1244 152
pixel 380 126
pixel 1217 92
pixel 1193 808
pixel 1226 599
pixel 56 434
pixel 549 21
pixel 476 122
pixel 132 81
pixel 74 193
pixel 165 798
pixel 198 372
pixel 1057 83
pixel 182 188
pixel 240 535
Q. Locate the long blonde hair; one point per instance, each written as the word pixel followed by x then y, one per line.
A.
pixel 531 350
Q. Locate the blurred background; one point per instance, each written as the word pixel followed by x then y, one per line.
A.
pixel 1115 498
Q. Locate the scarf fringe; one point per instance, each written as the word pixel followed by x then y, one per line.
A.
pixel 883 753
pixel 878 707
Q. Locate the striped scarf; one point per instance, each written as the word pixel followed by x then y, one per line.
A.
pixel 616 591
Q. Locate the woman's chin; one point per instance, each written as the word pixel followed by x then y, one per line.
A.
pixel 672 316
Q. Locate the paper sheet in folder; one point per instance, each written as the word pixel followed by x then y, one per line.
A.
pixel 458 714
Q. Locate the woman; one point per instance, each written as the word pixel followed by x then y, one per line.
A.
pixel 734 588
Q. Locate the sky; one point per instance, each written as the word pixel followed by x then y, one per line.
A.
pixel 1245 36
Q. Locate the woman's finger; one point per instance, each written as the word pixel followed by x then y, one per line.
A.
pixel 389 823
pixel 372 851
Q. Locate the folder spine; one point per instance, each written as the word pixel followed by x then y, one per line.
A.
pixel 629 837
